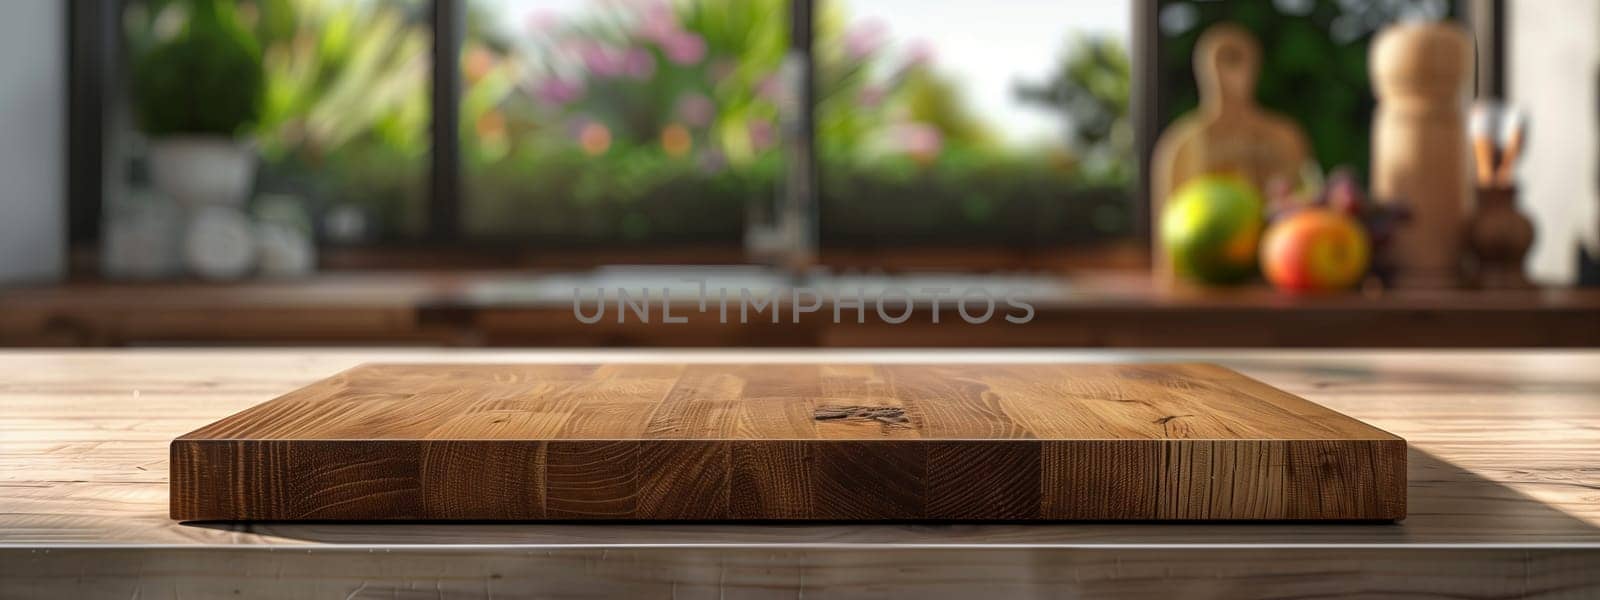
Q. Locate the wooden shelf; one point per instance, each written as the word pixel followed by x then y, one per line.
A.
pixel 1116 309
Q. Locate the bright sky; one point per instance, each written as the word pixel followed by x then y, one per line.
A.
pixel 987 45
pixel 991 44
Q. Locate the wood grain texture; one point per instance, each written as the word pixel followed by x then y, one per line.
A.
pixel 788 442
pixel 1502 502
pixel 841 573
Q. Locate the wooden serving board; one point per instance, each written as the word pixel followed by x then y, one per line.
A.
pixel 788 442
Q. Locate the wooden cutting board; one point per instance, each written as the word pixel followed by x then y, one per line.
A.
pixel 788 442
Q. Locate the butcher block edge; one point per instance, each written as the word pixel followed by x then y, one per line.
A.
pixel 696 480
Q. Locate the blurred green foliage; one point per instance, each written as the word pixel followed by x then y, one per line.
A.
pixel 566 138
pixel 347 107
pixel 342 112
pixel 869 93
pixel 904 159
pixel 1091 89
pixel 339 72
pixel 205 78
pixel 625 122
pixel 652 122
pixel 637 194
pixel 1313 67
pixel 968 196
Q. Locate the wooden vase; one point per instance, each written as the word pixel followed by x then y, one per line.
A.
pixel 1498 239
pixel 1421 156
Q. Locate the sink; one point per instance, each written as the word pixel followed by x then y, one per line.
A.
pixel 688 282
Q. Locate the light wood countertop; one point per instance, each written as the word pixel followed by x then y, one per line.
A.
pixel 1504 496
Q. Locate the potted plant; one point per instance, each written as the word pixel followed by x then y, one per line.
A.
pixel 197 94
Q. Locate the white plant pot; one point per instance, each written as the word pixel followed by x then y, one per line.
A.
pixel 220 244
pixel 203 170
pixel 142 237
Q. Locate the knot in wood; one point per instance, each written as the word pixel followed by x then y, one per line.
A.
pixel 890 415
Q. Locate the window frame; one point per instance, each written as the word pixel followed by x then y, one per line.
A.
pixel 95 56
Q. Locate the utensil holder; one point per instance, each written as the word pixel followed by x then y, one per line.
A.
pixel 1498 238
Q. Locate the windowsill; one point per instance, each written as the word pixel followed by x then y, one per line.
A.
pixel 1129 256
pixel 1087 308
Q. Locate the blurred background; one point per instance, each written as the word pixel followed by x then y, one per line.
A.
pixel 451 172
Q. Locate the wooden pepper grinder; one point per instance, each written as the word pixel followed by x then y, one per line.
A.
pixel 1420 153
pixel 1230 133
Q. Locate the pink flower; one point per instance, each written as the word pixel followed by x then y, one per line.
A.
pixel 865 38
pixel 542 21
pixel 659 23
pixel 569 47
pixel 558 91
pixel 921 140
pixel 696 109
pixel 601 60
pixel 684 48
pixel 919 53
pixel 871 96
pixel 762 134
pixel 770 88
pixel 639 64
